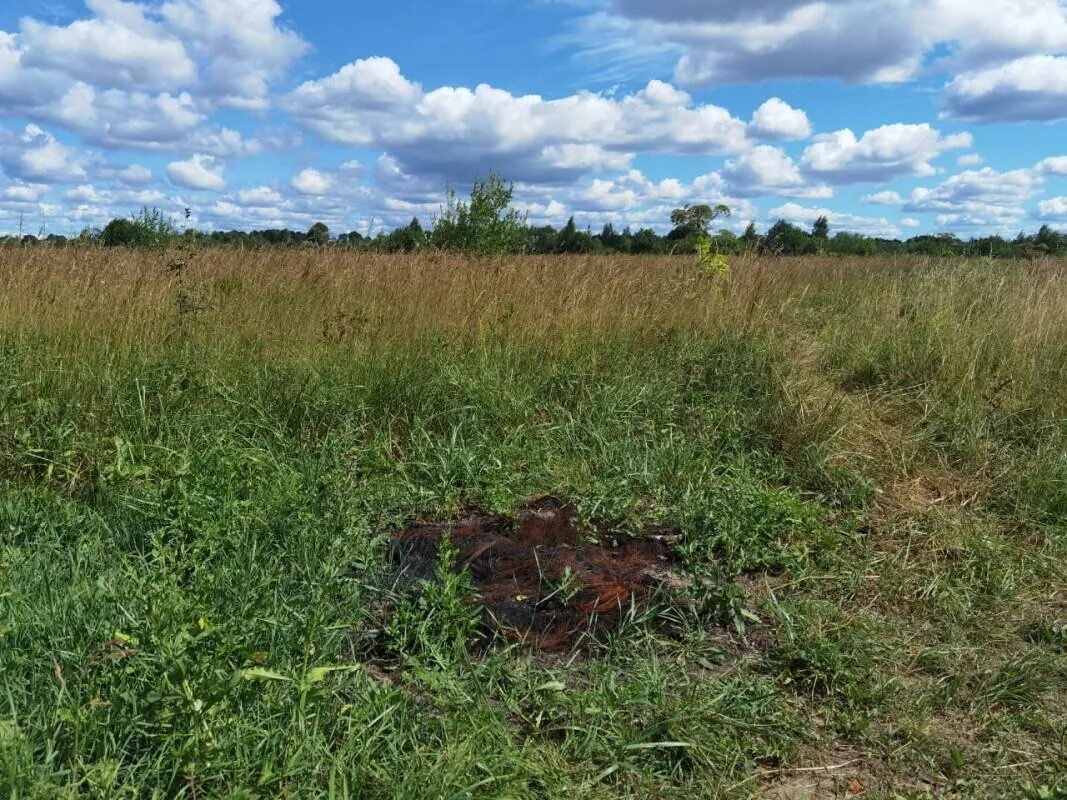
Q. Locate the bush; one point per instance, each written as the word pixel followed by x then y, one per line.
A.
pixel 148 229
pixel 485 226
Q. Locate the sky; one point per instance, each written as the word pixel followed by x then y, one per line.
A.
pixel 890 117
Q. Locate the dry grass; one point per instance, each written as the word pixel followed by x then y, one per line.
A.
pixel 131 296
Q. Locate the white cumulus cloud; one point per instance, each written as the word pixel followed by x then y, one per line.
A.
pixel 1030 88
pixel 37 155
pixel 259 197
pixel 201 172
pixel 460 132
pixel 848 223
pixel 777 120
pixel 765 170
pixel 884 198
pixel 1054 209
pixel 312 182
pixel 982 198
pixel 882 154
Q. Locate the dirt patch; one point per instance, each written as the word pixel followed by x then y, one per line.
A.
pixel 837 774
pixel 540 577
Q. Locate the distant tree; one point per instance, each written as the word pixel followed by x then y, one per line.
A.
pixel 647 242
pixel 403 240
pixel 572 240
pixel 821 229
pixel 1051 242
pixel 484 225
pixel 692 221
pixel 611 241
pixel 568 237
pixel 727 243
pixel 120 232
pixel 751 238
pixel 414 235
pixel 318 234
pixel 351 240
pixel 786 239
pixel 851 244
pixel 150 228
pixel 543 239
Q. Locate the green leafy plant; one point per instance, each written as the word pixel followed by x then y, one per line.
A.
pixel 712 263
pixel 436 625
pixel 485 225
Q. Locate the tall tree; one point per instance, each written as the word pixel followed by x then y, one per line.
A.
pixel 692 221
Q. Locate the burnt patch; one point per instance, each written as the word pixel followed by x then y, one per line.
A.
pixel 540 577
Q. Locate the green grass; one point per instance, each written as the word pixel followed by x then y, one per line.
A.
pixel 867 465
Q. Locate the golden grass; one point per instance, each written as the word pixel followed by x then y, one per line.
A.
pixel 964 322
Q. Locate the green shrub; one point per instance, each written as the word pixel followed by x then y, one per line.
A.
pixel 150 228
pixel 485 225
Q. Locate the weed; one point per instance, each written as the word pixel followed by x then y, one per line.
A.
pixel 438 624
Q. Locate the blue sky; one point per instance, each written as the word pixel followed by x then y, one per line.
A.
pixel 892 117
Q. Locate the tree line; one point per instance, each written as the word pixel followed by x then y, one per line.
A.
pixel 485 224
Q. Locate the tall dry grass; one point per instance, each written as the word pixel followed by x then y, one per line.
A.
pixel 989 329
pixel 271 295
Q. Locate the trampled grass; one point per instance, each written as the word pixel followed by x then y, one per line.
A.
pixel 865 463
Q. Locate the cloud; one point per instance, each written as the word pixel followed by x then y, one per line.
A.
pixel 630 199
pixel 873 41
pixel 227 52
pixel 147 197
pixel 882 154
pixel 777 120
pixel 118 118
pixel 240 45
pixel 200 172
pixel 765 170
pixel 312 182
pixel 724 43
pixel 1033 88
pixel 991 29
pixel 461 132
pixel 119 47
pixel 334 196
pixel 122 118
pixel 542 213
pixel 84 194
pixel 1053 210
pixel 910 222
pixel 260 197
pixel 978 198
pixel 886 198
pixel 36 155
pixel 26 192
pixel 136 175
pixel 149 75
pixel 1057 165
pixel 801 215
pixel 156 76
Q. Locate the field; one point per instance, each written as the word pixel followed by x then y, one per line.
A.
pixel 858 469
